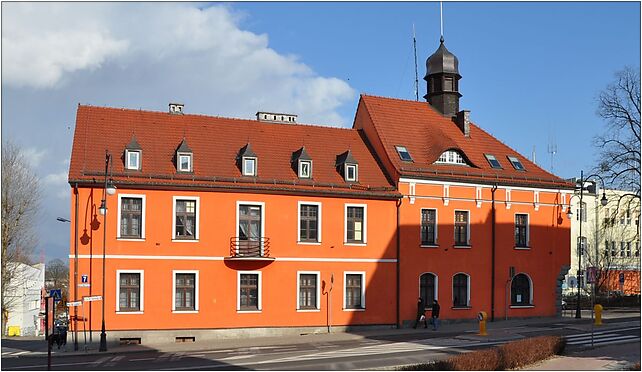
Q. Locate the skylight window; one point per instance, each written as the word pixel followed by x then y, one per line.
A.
pixel 516 163
pixel 494 163
pixel 403 153
pixel 451 157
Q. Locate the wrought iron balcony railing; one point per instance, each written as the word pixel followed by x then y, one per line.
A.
pixel 243 248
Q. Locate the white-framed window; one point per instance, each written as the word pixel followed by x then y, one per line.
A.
pixel 356 223
pixel 451 157
pixel 250 227
pixel 521 290
pixel 428 227
pixel 309 222
pixel 308 290
pixel 132 158
pixel 461 290
pixel 184 161
pixel 462 228
pixel 130 291
pixel 521 230
pixel 305 169
pixel 351 173
pixel 249 166
pixel 354 290
pixel 429 288
pixel 185 291
pixel 248 294
pixel 185 218
pixel 131 217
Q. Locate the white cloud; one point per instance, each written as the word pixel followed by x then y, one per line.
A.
pixel 33 156
pixel 57 182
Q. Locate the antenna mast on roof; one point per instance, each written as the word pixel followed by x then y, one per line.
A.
pixel 441 19
pixel 552 150
pixel 414 46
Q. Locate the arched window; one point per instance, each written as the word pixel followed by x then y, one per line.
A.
pixel 428 288
pixel 520 290
pixel 451 157
pixel 460 290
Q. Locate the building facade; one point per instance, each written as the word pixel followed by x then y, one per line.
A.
pixel 225 227
pixel 25 300
pixel 610 242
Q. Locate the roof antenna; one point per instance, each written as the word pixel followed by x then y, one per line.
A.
pixel 441 21
pixel 414 45
pixel 552 150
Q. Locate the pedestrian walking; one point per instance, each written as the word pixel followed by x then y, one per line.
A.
pixel 435 315
pixel 421 316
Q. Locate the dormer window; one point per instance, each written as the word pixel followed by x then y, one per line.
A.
pixel 451 157
pixel 492 160
pixel 249 166
pixel 184 162
pixel 133 159
pixel 516 163
pixel 305 169
pixel 351 172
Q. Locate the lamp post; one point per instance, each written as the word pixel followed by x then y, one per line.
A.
pixel 75 316
pixel 603 201
pixel 109 189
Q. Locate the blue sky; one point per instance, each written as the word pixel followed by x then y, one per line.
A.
pixel 531 71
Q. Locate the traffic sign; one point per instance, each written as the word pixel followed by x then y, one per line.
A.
pixel 92 298
pixel 591 274
pixel 74 303
pixel 56 294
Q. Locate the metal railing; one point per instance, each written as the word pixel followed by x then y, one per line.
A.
pixel 242 248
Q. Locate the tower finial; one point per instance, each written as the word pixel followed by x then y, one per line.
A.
pixel 441 39
pixel 441 21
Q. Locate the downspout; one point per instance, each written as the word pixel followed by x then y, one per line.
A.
pixel 398 263
pixel 492 260
pixel 76 269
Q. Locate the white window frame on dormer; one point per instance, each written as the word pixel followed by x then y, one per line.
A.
pixel 452 157
pixel 180 163
pixel 301 163
pixel 128 154
pixel 253 171
pixel 356 174
pixel 142 219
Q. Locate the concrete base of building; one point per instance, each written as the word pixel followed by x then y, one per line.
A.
pixel 155 337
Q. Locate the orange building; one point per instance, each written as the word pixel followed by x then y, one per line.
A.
pixel 224 227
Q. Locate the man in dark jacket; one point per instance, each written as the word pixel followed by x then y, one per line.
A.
pixel 421 309
pixel 435 315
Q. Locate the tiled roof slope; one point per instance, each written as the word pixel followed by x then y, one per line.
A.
pixel 216 142
pixel 427 134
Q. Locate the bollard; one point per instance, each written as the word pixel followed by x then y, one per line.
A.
pixel 482 323
pixel 598 314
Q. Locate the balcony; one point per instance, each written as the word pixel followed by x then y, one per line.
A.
pixel 242 249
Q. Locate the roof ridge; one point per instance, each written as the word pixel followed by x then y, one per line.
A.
pixel 218 117
pixel 392 98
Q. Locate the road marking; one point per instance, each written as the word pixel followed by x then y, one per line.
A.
pixel 601 340
pixel 141 359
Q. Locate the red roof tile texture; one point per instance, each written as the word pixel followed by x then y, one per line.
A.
pixel 427 134
pixel 216 142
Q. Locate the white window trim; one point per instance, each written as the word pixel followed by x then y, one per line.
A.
pixel 142 221
pixel 530 289
pixel 174 272
pixel 452 288
pixel 528 230
pixel 298 223
pixel 365 224
pixel 436 225
pixel 142 291
pixel 256 204
pixel 198 218
pixel 138 163
pixel 363 289
pixel 298 288
pixel 309 162
pixel 180 163
pixel 356 174
pixel 467 227
pixel 256 165
pixel 238 292
pixel 436 292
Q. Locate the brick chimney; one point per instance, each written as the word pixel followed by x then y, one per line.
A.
pixel 463 122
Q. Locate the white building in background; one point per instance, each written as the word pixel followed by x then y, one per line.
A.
pixel 25 300
pixel 615 228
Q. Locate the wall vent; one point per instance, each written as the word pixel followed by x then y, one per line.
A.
pixel 274 117
pixel 185 339
pixel 130 341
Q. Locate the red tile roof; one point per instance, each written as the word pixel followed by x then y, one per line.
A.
pixel 427 134
pixel 216 142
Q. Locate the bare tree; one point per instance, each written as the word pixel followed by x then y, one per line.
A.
pixel 57 277
pixel 20 201
pixel 619 146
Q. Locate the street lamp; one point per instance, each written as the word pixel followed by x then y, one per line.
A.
pixel 109 189
pixel 75 316
pixel 603 201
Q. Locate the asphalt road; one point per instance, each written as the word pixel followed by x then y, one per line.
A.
pixel 365 353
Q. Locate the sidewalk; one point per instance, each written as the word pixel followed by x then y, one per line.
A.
pixel 605 358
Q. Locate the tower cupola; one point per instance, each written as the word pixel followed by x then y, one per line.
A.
pixel 442 76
